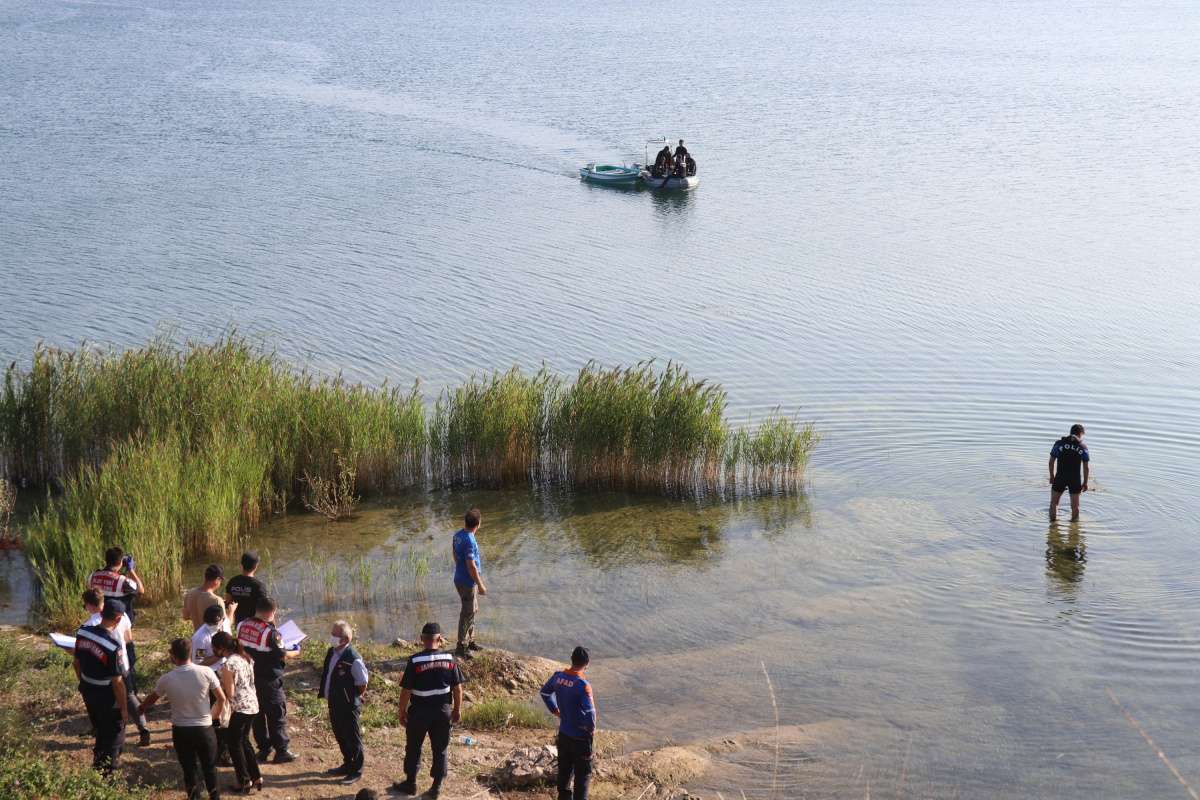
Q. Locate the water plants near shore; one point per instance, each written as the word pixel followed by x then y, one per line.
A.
pixel 178 451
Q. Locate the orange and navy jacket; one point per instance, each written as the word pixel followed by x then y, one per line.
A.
pixel 569 693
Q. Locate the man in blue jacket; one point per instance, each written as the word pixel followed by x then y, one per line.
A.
pixel 343 684
pixel 568 695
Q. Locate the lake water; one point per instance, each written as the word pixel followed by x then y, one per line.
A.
pixel 940 231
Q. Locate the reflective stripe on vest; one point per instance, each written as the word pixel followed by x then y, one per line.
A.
pixel 105 642
pixel 96 681
pixel 430 692
pixel 432 657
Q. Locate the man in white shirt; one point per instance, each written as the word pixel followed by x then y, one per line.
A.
pixel 188 688
pixel 93 603
pixel 202 650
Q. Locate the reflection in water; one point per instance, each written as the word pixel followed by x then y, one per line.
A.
pixel 388 565
pixel 1066 555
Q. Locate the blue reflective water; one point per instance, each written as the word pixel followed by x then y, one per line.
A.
pixel 941 231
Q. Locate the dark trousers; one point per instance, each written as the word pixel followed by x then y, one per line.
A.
pixel 270 726
pixel 469 595
pixel 574 758
pixel 196 748
pixel 237 738
pixel 433 720
pixel 344 720
pixel 102 710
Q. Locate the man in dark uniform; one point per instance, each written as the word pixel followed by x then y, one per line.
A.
pixel 432 681
pixel 343 684
pixel 681 157
pixel 265 648
pixel 662 161
pixel 114 584
pixel 100 683
pixel 1071 454
pixel 245 589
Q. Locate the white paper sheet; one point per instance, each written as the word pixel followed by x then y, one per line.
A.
pixel 63 641
pixel 292 635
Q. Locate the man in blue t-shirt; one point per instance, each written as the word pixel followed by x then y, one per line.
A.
pixel 468 581
pixel 568 695
pixel 1069 454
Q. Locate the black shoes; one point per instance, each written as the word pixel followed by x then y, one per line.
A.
pixel 342 770
pixel 285 757
pixel 407 787
pixel 432 792
pixel 263 755
pixel 143 738
pixel 351 777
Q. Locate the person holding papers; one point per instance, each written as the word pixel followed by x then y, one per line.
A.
pixel 93 603
pixel 343 684
pixel 188 688
pixel 102 687
pixel 264 644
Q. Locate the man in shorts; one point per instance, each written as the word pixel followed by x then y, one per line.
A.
pixel 1070 456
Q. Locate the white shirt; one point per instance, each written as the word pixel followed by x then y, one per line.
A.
pixel 202 643
pixel 117 633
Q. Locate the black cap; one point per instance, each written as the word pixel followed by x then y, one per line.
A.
pixel 112 608
pixel 431 629
pixel 579 657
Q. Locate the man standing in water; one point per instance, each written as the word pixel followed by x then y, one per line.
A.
pixel 468 581
pixel 1069 454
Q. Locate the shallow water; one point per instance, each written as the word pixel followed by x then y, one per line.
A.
pixel 942 232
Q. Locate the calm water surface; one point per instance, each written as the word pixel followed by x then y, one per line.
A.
pixel 940 231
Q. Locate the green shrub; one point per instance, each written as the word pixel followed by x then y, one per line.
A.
pixel 504 713
pixel 26 774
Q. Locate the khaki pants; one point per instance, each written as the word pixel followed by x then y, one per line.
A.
pixel 466 615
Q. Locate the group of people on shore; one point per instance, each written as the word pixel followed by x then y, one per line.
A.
pixel 226 683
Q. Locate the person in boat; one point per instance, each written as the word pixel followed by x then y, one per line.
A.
pixel 662 162
pixel 681 159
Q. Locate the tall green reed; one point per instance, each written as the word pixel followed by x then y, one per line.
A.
pixel 178 451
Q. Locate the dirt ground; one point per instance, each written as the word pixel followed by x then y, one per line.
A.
pixel 58 724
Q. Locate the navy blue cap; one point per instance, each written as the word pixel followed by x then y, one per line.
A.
pixel 112 608
pixel 431 629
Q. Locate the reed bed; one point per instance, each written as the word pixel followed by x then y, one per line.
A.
pixel 179 451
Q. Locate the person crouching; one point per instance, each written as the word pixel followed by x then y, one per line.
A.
pixel 343 684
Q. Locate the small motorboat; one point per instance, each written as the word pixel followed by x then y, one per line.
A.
pixel 609 173
pixel 679 176
pixel 683 182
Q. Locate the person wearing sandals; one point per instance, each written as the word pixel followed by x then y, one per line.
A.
pixel 237 681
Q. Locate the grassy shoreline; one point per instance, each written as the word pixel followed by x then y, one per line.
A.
pixel 179 452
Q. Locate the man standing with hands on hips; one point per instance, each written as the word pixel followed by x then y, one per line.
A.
pixel 468 581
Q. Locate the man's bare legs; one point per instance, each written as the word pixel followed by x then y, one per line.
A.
pixel 1075 506
pixel 1055 497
